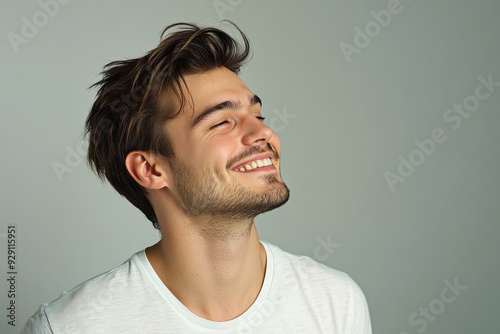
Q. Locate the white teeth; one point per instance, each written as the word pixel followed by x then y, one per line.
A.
pixel 256 164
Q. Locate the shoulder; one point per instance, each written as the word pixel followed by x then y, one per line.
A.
pixel 87 300
pixel 38 323
pixel 325 290
pixel 100 286
pixel 305 268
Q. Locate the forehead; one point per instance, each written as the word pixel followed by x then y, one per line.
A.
pixel 207 88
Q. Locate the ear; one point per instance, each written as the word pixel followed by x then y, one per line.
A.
pixel 147 169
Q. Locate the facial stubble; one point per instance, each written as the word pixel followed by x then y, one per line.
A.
pixel 218 194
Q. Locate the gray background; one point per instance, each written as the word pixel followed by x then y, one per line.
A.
pixel 348 124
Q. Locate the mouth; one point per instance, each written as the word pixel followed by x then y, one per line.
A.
pixel 261 163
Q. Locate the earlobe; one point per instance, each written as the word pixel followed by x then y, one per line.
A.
pixel 146 169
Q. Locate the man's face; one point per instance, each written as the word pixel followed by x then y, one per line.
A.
pixel 226 160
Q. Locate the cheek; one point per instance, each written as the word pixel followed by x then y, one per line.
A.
pixel 215 153
pixel 221 155
pixel 179 142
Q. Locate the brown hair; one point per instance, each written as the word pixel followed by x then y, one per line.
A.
pixel 126 114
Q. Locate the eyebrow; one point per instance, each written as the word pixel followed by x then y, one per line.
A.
pixel 252 99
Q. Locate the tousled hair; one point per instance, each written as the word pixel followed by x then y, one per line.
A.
pixel 128 113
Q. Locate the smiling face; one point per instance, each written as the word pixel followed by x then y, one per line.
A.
pixel 226 160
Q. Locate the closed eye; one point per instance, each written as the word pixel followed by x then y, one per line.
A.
pixel 219 124
pixel 262 118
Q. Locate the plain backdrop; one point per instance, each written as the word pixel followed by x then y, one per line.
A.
pixel 355 96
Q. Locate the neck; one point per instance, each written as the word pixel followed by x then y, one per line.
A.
pixel 214 267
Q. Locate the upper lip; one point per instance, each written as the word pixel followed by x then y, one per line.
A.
pixel 269 155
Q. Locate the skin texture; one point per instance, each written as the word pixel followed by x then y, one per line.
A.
pixel 210 256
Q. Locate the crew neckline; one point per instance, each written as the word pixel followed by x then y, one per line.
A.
pixel 185 313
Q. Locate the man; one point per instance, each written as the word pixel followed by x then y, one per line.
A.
pixel 182 138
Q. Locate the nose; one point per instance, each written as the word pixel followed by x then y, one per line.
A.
pixel 255 133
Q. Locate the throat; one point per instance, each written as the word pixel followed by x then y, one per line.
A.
pixel 217 279
pixel 218 230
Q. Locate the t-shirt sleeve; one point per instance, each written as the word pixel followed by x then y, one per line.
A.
pixel 361 315
pixel 38 323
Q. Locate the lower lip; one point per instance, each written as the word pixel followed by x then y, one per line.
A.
pixel 260 169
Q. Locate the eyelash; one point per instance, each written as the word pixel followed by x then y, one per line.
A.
pixel 224 122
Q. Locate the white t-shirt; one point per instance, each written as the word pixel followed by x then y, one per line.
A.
pixel 299 295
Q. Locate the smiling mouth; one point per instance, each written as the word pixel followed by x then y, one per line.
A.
pixel 254 164
pixel 257 163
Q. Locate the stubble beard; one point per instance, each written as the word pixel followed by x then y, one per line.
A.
pixel 220 197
